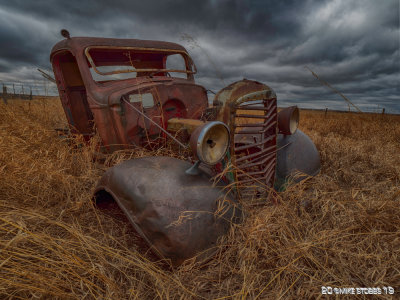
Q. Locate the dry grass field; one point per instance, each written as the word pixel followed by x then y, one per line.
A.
pixel 54 243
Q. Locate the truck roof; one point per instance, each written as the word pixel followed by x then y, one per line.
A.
pixel 78 43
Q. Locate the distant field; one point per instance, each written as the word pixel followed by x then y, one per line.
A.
pixel 339 229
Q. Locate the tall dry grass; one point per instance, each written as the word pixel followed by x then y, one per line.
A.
pixel 339 229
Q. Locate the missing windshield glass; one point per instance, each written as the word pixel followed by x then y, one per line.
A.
pixel 176 62
pixel 118 63
pixel 116 76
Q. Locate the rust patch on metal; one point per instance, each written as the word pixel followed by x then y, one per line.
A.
pixel 177 124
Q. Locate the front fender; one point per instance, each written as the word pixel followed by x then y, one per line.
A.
pixel 297 158
pixel 179 215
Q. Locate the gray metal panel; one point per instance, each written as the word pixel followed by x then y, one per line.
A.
pixel 296 153
pixel 174 212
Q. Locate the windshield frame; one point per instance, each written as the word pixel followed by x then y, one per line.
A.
pixel 188 60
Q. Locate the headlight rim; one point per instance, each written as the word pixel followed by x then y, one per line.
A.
pixel 197 140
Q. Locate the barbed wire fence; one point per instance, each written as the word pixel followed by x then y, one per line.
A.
pixel 26 89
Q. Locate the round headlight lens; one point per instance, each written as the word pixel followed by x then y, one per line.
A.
pixel 210 142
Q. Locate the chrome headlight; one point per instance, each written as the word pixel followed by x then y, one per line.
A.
pixel 210 142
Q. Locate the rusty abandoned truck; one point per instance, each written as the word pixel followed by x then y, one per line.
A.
pixel 136 93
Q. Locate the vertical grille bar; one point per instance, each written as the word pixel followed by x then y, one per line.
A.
pixel 254 148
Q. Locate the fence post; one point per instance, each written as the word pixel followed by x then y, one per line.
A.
pixel 383 111
pixel 4 95
pixel 326 112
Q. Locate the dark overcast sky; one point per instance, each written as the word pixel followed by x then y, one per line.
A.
pixel 352 44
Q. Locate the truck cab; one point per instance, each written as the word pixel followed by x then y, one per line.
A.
pixel 101 81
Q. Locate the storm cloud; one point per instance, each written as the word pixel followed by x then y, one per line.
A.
pixel 352 44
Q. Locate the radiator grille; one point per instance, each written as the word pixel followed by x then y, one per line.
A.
pixel 254 147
